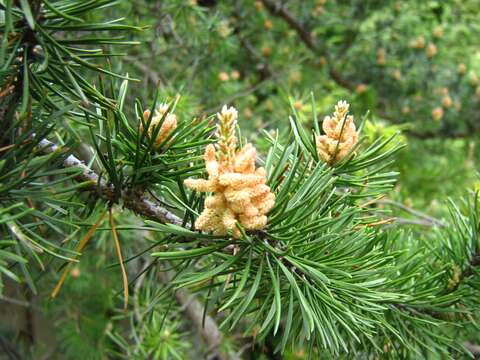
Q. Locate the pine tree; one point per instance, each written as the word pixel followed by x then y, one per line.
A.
pixel 281 251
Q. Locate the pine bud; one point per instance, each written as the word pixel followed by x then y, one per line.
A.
pixel 168 126
pixel 418 43
pixel 248 113
pixel 223 76
pixel 266 51
pixel 269 105
pixel 447 101
pixel 75 272
pixel 397 75
pixel 455 279
pixel 340 135
pixel 473 79
pixel 318 10
pixel 268 25
pixel 431 50
pixel 298 105
pixel 381 56
pixel 461 69
pixel 437 114
pixel 258 5
pixel 240 194
pixel 235 75
pixel 361 88
pixel 437 32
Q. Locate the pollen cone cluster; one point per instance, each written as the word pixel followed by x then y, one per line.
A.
pixel 239 192
pixel 340 135
pixel 168 125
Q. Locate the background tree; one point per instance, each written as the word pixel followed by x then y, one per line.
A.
pixel 137 223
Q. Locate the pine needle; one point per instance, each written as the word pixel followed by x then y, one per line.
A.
pixel 79 248
pixel 120 260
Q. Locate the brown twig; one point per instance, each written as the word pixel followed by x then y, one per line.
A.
pixel 425 220
pixel 473 348
pixel 138 203
pixel 154 77
pixel 207 327
pixel 277 9
pixel 148 209
pixel 305 35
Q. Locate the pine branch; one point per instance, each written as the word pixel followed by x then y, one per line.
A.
pixel 473 348
pixel 305 35
pixel 425 220
pixel 148 209
pixel 277 9
pixel 131 200
pixel 154 77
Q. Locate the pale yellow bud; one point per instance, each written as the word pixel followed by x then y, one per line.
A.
pixel 441 90
pixel 340 135
pixel 397 75
pixel 455 279
pixel 447 101
pixel 258 5
pixel 473 79
pixel 268 24
pixel 462 69
pixel 361 88
pixel 235 75
pixel 431 50
pixel 248 113
pixel 240 195
pixel 405 110
pixel 437 32
pixel 266 51
pixel 224 29
pixel 295 76
pixel 75 272
pixel 437 113
pixel 318 10
pixel 418 43
pixel 298 105
pixel 169 123
pixel 223 76
pixel 381 56
pixel 269 105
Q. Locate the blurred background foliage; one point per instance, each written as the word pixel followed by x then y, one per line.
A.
pixel 413 65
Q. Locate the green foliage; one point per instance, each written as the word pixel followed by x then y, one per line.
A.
pixel 338 272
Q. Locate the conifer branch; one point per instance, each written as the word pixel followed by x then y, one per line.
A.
pixel 138 203
pixel 424 219
pixel 305 35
